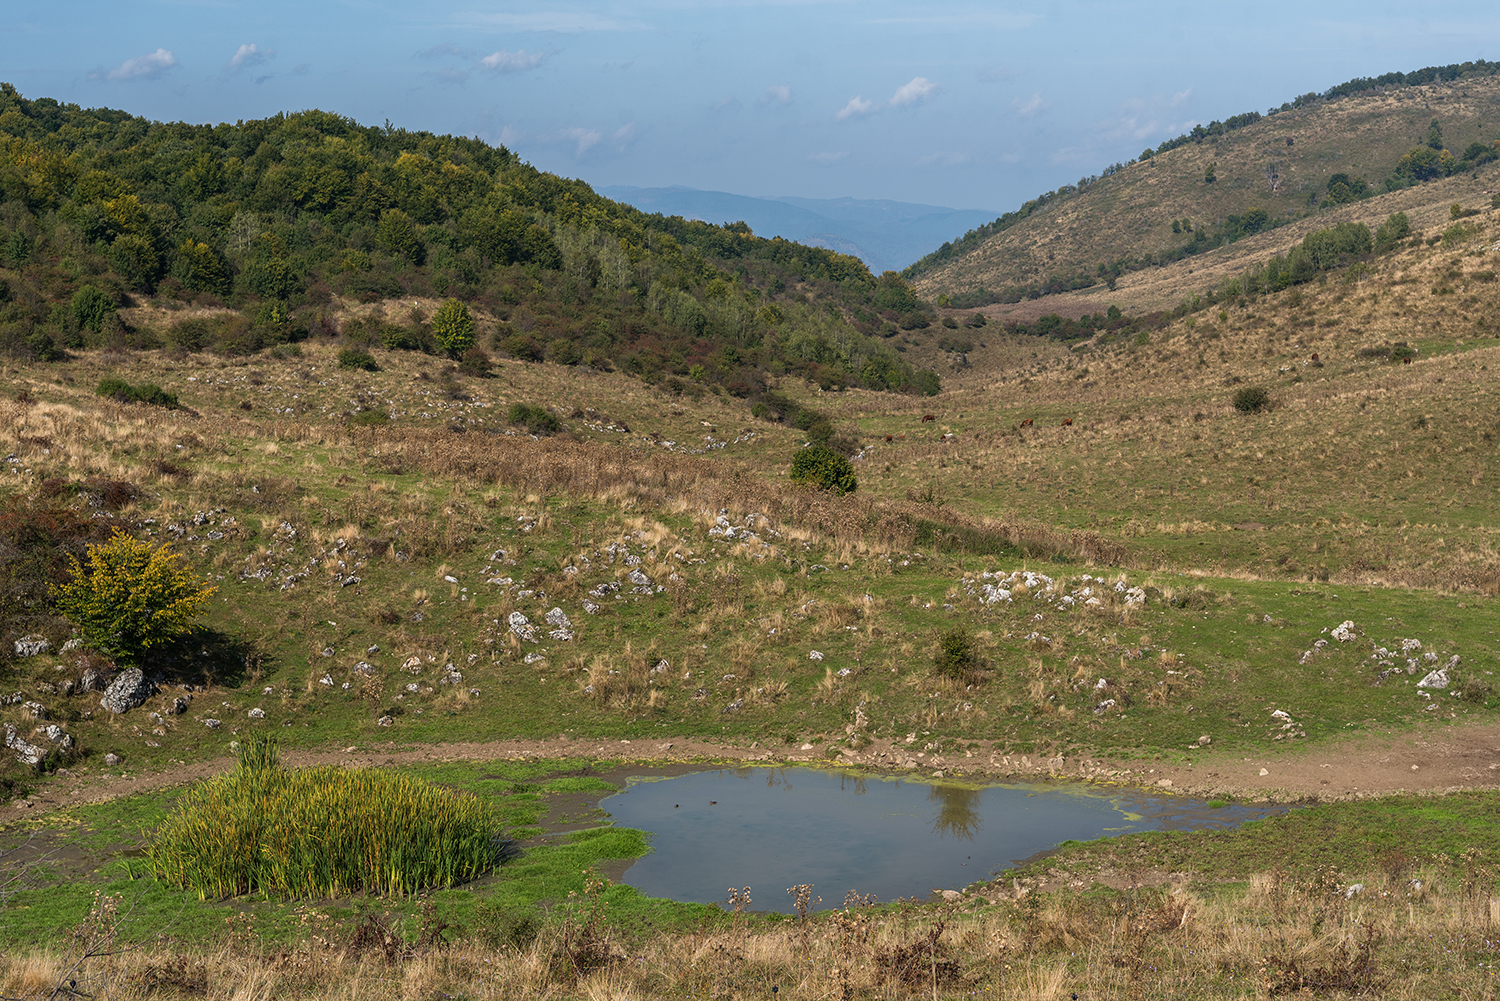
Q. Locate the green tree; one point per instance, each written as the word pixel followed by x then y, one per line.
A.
pixel 1434 138
pixel 1210 175
pixel 453 328
pixel 397 235
pixel 200 269
pixel 822 467
pixel 131 596
pixel 92 307
pixel 1391 232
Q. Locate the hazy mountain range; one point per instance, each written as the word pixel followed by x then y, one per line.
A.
pixel 886 235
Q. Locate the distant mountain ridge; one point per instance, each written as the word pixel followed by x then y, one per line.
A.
pixel 886 235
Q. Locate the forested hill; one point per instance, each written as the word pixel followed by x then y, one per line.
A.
pixel 288 219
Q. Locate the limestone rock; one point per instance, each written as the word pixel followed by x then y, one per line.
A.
pixel 127 691
pixel 27 753
pixel 522 627
pixel 1437 679
pixel 30 646
pixel 112 759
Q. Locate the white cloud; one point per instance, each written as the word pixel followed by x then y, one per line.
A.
pixel 624 136
pixel 511 62
pixel 944 158
pixel 1034 105
pixel 1180 96
pixel 856 106
pixel 147 67
pixel 919 89
pixel 250 55
pixel 778 94
pixel 584 138
pixel 826 159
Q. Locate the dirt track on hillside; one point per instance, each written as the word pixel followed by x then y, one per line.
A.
pixel 1432 760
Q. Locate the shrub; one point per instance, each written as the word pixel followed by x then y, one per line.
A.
pixel 131 596
pixel 475 362
pixel 358 358
pixel 146 392
pixel 324 831
pixel 378 417
pixel 957 658
pixel 1252 399
pixel 538 420
pixel 453 328
pixel 825 469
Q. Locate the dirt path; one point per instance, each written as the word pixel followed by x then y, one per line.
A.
pixel 1431 760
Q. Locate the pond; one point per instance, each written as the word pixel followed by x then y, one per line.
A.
pixel 774 828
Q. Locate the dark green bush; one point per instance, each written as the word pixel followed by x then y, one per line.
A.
pixel 146 392
pixel 379 417
pixel 822 467
pixel 537 420
pixel 957 657
pixel 475 362
pixel 1252 399
pixel 358 358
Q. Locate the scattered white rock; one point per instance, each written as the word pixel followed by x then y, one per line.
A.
pixel 212 724
pixel 1437 679
pixel 815 655
pixel 257 713
pixel 31 646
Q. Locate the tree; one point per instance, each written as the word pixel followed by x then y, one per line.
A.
pixel 1434 138
pixel 822 467
pixel 397 235
pixel 131 596
pixel 1210 175
pixel 91 308
pixel 453 328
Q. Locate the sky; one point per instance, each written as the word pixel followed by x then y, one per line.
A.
pixel 953 103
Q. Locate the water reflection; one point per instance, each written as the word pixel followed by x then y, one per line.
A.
pixel 770 828
pixel 958 815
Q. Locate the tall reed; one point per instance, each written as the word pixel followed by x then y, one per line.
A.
pixel 321 832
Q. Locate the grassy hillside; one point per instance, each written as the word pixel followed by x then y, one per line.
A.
pixel 1274 172
pixel 1091 550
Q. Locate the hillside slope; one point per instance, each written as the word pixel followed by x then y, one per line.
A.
pixel 1273 172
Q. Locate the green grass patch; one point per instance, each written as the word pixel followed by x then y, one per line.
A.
pixel 1394 835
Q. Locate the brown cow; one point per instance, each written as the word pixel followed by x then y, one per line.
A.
pixel 927 418
pixel 1067 422
pixel 888 438
pixel 1026 423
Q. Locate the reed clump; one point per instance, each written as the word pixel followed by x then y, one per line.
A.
pixel 322 832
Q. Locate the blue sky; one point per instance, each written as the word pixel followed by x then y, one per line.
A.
pixel 970 105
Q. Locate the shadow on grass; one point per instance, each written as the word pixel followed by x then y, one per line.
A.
pixel 207 656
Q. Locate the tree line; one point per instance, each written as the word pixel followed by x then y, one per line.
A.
pixel 281 217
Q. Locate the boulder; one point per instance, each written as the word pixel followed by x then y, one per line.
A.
pixel 522 627
pixel 1437 679
pixel 27 753
pixel 127 691
pixel 30 646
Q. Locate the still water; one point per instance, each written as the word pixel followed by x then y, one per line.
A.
pixel 772 828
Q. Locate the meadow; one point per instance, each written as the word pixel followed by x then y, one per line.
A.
pixel 401 567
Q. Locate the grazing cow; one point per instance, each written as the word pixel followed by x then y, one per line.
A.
pixel 1406 361
pixel 888 438
pixel 1067 422
pixel 1315 356
pixel 1026 423
pixel 928 418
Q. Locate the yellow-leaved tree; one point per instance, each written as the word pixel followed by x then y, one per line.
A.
pixel 129 596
